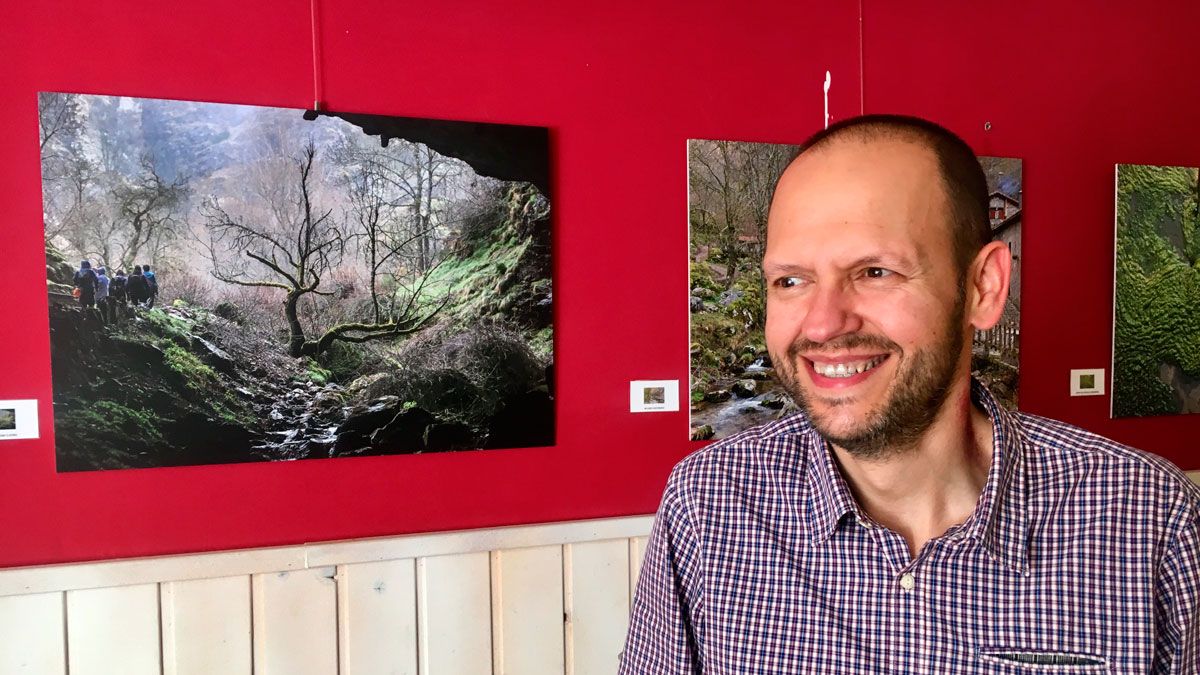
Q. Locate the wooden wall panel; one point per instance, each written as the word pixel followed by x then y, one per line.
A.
pixel 377 618
pixel 454 600
pixel 549 598
pixel 434 615
pixel 32 641
pixel 597 599
pixel 113 630
pixel 206 626
pixel 295 623
pixel 527 611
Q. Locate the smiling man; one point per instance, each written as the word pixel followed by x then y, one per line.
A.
pixel 903 522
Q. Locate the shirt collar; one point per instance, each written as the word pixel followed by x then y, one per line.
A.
pixel 829 495
pixel 999 522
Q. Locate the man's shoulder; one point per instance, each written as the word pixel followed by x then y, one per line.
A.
pixel 751 455
pixel 1064 454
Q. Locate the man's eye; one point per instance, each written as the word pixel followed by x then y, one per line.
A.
pixel 787 282
pixel 877 273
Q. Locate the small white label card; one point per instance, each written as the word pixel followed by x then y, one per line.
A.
pixel 653 395
pixel 1087 382
pixel 18 419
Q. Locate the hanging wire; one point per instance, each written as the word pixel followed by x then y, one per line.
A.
pixel 316 57
pixel 862 100
pixel 828 81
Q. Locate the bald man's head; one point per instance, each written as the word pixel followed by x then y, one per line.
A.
pixel 963 180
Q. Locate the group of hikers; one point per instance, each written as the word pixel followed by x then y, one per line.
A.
pixel 94 288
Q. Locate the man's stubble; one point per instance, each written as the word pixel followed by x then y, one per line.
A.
pixel 913 400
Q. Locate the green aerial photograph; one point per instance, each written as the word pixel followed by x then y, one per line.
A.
pixel 1156 328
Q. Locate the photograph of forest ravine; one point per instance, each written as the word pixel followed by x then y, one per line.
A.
pixel 733 385
pixel 1156 305
pixel 234 283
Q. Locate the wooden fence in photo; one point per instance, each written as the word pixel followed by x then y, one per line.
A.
pixel 1002 341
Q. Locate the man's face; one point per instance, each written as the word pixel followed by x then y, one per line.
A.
pixel 865 318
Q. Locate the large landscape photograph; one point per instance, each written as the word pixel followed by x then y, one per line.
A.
pixel 1156 307
pixel 236 283
pixel 733 384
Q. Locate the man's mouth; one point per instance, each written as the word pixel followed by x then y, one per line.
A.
pixel 845 369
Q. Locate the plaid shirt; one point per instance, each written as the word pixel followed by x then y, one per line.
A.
pixel 1081 556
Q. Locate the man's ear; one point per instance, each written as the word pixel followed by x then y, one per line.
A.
pixel 987 284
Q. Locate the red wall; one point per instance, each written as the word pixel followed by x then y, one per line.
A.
pixel 1073 90
pixel 622 85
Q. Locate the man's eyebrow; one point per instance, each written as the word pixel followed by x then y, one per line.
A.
pixel 770 269
pixel 886 260
pixel 875 260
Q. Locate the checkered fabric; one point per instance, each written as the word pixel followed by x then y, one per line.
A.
pixel 1081 556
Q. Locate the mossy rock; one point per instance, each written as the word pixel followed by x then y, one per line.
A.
pixel 342 361
pixel 369 386
pixel 59 270
pixel 230 312
pixel 107 434
pixel 717 395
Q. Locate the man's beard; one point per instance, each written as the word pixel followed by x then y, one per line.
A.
pixel 913 401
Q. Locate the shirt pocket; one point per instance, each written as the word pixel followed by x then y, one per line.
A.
pixel 1016 661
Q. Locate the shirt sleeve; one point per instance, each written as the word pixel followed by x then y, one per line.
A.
pixel 1177 648
pixel 665 625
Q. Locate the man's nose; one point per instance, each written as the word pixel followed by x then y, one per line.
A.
pixel 830 314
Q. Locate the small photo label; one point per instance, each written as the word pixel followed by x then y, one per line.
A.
pixel 18 419
pixel 1087 382
pixel 654 395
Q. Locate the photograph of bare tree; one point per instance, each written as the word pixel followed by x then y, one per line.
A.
pixel 235 283
pixel 1156 305
pixel 733 386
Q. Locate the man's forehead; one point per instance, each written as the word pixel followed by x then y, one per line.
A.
pixel 856 152
pixel 856 194
pixel 868 184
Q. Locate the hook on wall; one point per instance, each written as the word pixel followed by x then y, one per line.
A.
pixel 828 80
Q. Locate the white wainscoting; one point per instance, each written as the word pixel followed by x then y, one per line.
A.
pixel 521 600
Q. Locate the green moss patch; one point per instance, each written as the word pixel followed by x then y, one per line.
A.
pixel 727 334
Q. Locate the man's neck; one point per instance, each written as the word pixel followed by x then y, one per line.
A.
pixel 922 491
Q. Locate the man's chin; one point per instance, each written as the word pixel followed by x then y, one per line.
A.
pixel 834 404
pixel 839 417
pixel 837 427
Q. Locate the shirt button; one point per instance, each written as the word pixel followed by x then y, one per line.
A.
pixel 908 582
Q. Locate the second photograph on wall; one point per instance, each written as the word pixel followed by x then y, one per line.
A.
pixel 733 385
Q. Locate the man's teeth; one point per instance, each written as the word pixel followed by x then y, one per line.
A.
pixel 847 369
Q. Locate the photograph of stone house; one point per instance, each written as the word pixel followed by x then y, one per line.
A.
pixel 996 352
